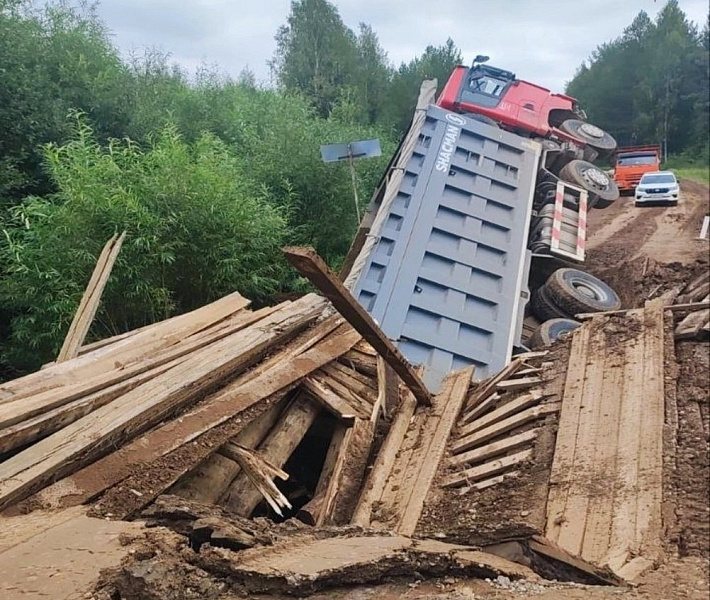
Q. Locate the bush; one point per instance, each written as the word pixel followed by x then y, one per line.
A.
pixel 197 228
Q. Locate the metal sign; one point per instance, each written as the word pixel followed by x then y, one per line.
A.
pixel 360 149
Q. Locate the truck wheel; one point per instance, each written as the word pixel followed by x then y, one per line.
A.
pixel 585 175
pixel 551 331
pixel 590 134
pixel 543 307
pixel 575 291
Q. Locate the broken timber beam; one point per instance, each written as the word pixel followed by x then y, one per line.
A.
pixel 90 300
pixel 311 266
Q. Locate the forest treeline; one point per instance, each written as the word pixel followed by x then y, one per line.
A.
pixel 651 85
pixel 211 175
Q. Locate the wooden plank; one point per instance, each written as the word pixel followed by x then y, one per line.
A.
pixel 130 350
pixel 649 526
pixel 494 449
pixel 345 483
pixel 36 428
pixel 310 265
pixel 210 479
pixel 84 440
pixel 381 401
pixel 481 408
pixel 343 392
pixel 486 469
pixel 343 376
pixel 490 482
pixel 384 463
pixel 90 300
pixel 584 470
pixel 331 401
pixel 447 408
pixel 502 412
pixel 22 409
pixel 515 385
pixel 563 458
pixel 480 437
pixel 364 363
pixel 623 525
pixel 672 307
pixel 595 544
pixel 488 387
pixel 699 281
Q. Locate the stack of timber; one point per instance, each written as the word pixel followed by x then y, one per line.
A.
pixel 219 390
pixel 497 430
pixel 606 485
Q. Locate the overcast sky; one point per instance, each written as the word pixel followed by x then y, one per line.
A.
pixel 540 40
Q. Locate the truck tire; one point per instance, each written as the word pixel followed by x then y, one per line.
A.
pixel 584 174
pixel 543 307
pixel 590 134
pixel 574 291
pixel 551 331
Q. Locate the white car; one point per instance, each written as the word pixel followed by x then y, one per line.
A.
pixel 657 186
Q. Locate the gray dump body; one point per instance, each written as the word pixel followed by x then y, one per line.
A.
pixel 447 278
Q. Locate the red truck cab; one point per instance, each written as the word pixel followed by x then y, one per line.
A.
pixel 631 164
pixel 515 104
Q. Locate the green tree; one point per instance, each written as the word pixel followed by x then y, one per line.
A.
pixel 316 54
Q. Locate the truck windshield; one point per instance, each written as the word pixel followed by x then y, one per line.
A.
pixel 658 179
pixel 488 85
pixel 636 159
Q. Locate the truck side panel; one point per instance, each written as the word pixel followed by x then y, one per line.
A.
pixel 445 278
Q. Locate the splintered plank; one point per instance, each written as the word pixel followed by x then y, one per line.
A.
pixel 311 266
pixel 567 432
pixel 446 408
pixel 488 469
pixel 242 497
pixel 514 385
pixel 90 300
pixel 331 401
pixel 385 461
pixel 692 324
pixel 91 436
pixel 481 408
pixel 488 387
pixel 510 408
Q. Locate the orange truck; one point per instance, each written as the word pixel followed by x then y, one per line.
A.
pixel 631 164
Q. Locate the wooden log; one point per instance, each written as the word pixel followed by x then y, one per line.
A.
pixel 90 301
pixel 86 439
pixel 491 432
pixel 502 412
pixel 22 409
pixel 242 497
pixel 331 401
pixel 381 470
pixel 209 481
pixel 311 266
pixel 447 408
pixel 349 471
pixel 494 449
pixel 486 469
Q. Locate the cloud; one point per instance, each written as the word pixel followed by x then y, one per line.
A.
pixel 543 41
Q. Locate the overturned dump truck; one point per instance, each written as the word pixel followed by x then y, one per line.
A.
pixel 477 224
